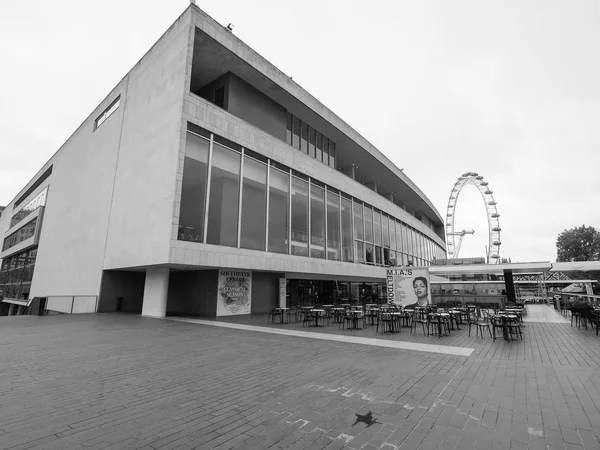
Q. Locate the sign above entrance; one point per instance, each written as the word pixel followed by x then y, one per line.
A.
pixel 234 292
pixel 408 286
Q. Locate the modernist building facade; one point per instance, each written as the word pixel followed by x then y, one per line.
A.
pixel 204 173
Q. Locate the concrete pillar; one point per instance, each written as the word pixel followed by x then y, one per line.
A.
pixel 12 310
pixel 390 197
pixel 155 292
pixel 20 310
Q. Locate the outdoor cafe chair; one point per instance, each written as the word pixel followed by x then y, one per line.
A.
pixel 438 324
pixel 419 317
pixel 514 326
pixel 479 324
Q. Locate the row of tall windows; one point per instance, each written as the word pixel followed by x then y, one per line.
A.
pixel 232 196
pixel 23 233
pixel 303 137
pixel 29 208
pixel 16 274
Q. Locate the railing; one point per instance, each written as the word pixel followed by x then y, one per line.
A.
pixel 72 304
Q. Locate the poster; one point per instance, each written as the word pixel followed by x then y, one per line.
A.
pixel 234 292
pixel 408 286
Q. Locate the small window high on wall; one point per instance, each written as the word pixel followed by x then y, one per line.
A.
pixel 107 112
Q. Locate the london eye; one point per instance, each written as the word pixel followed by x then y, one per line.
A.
pixel 454 238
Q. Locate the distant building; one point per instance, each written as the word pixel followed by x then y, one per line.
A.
pixel 207 182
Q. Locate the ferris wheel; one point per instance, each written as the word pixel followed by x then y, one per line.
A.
pixel 493 248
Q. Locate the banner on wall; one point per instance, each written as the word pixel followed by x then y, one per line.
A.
pixel 234 292
pixel 408 286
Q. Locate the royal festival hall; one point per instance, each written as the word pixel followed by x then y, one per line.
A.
pixel 209 183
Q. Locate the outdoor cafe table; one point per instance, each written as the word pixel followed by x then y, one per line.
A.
pixel 338 313
pixel 280 311
pixel 502 318
pixel 318 313
pixel 455 315
pixel 356 316
pixel 440 317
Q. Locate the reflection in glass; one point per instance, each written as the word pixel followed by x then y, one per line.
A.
pixel 399 246
pixel 378 257
pixel 312 138
pixel 25 232
pixel 392 233
pixel 319 154
pixel 360 252
pixel 304 138
pixel 369 253
pixel 358 222
pixel 296 135
pixel 193 190
pixel 279 201
pixel 385 231
pixel 299 217
pixel 326 150
pixel 317 222
pixel 333 226
pixel 347 239
pixel 224 197
pixel 332 154
pixel 254 205
pixel 368 224
pixel 377 227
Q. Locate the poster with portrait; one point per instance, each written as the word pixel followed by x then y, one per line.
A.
pixel 408 286
pixel 234 292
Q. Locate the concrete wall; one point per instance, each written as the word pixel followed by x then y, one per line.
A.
pixel 193 293
pixel 126 284
pixel 265 291
pixel 256 108
pixel 145 183
pixel 73 233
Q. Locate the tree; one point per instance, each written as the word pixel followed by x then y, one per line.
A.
pixel 578 244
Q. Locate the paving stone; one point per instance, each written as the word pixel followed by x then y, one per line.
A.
pixel 130 382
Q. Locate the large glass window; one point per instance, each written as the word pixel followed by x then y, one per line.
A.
pixel 359 225
pixel 369 253
pixel 325 151
pixel 312 142
pixel 385 231
pixel 333 226
pixel 290 126
pixel 399 245
pixel 296 136
pixel 25 232
pixel 224 197
pixel 368 224
pixel 304 139
pixel 319 154
pixel 360 252
pixel 299 217
pixel 193 191
pixel 317 222
pixel 377 227
pixel 332 159
pixel 347 239
pixel 405 244
pixel 254 205
pixel 279 201
pixel 392 233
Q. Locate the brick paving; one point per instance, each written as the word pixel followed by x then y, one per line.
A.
pixel 127 382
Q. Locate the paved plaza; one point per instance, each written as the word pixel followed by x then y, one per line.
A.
pixel 127 382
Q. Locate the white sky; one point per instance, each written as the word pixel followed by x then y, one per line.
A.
pixel 508 89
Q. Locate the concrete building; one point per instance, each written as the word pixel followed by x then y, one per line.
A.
pixel 207 182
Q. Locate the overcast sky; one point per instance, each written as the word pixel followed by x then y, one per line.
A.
pixel 508 89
